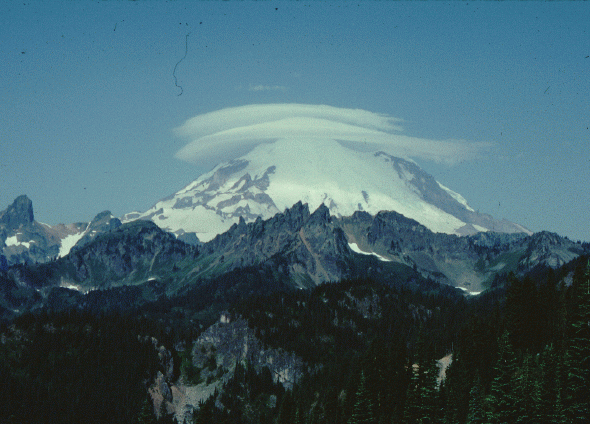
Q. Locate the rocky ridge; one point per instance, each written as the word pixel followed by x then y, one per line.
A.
pixel 26 241
pixel 214 356
pixel 303 248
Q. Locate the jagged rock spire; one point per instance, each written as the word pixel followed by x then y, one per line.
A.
pixel 17 214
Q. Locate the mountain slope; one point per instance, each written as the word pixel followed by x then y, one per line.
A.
pixel 275 176
pixel 128 254
pixel 295 248
pixel 315 248
pixel 24 240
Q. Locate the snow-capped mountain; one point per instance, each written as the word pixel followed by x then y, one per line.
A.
pixel 24 240
pixel 275 176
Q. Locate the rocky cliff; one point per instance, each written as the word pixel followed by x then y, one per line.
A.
pixel 211 362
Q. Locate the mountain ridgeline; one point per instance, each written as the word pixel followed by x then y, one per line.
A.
pixel 310 315
pixel 26 241
pixel 306 249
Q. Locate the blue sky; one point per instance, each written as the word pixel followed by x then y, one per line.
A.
pixel 89 102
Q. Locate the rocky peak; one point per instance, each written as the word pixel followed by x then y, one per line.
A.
pixel 102 223
pixel 544 239
pixel 393 223
pixel 297 215
pixel 321 216
pixel 17 214
pixel 105 221
pixel 548 249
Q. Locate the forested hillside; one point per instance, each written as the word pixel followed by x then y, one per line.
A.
pixel 519 353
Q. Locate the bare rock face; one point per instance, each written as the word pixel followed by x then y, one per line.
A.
pixel 24 240
pixel 18 214
pixel 318 249
pixel 305 249
pixel 214 357
pixel 548 249
pixel 102 223
pixel 314 248
pixel 230 341
pixel 132 253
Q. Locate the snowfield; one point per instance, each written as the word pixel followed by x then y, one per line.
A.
pixel 68 242
pixel 354 247
pixel 274 176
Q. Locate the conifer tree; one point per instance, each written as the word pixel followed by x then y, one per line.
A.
pixel 146 415
pixel 550 385
pixel 476 414
pixel 528 391
pixel 287 409
pixel 422 398
pixel 362 412
pixel 457 383
pixel 502 397
pixel 576 394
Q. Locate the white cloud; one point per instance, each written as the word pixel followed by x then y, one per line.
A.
pixel 230 133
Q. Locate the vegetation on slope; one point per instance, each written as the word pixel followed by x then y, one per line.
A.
pixel 520 352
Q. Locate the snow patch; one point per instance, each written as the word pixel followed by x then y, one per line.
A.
pixel 472 293
pixel 70 286
pixel 498 267
pixel 70 241
pixel 354 247
pixel 13 241
pixel 458 198
pixel 480 228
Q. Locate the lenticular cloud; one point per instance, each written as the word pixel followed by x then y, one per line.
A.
pixel 230 133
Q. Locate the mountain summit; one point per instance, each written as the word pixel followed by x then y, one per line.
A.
pixel 17 214
pixel 24 240
pixel 274 176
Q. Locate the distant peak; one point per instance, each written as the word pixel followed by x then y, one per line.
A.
pixel 18 213
pixel 103 215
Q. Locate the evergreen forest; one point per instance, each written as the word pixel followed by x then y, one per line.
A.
pixel 517 353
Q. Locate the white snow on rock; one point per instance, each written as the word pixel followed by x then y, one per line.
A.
pixel 456 196
pixel 472 293
pixel 354 247
pixel 13 241
pixel 67 243
pixel 274 176
pixel 70 241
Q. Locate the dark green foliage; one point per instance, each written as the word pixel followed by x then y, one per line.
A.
pixel 521 351
pixel 577 378
pixel 358 331
pixel 502 392
pixel 146 414
pixel 362 412
pixel 528 391
pixel 544 376
pixel 73 367
pixel 248 397
pixel 477 413
pixel 342 319
pixel 188 370
pixel 421 406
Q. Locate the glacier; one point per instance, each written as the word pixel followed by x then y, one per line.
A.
pixel 274 176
